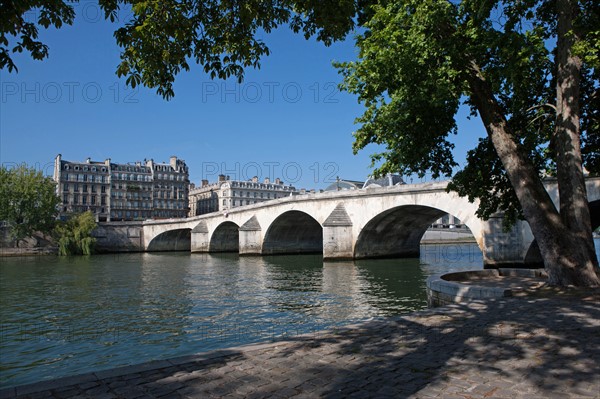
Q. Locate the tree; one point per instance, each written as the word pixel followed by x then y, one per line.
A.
pixel 75 235
pixel 530 79
pixel 28 201
pixel 528 68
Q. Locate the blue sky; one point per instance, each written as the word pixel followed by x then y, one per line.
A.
pixel 285 120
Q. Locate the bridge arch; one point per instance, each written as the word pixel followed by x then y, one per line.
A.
pixel 396 232
pixel 225 238
pixel 171 240
pixel 293 232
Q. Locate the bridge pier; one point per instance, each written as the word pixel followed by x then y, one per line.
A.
pixel 506 248
pixel 250 238
pixel 200 238
pixel 337 243
pixel 337 235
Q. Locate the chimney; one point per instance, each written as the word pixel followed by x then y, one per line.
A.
pixel 255 179
pixel 173 162
pixel 222 178
pixel 278 181
pixel 88 160
pixel 267 180
pixel 107 162
pixel 204 182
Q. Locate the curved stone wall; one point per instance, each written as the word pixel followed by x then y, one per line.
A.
pixel 444 289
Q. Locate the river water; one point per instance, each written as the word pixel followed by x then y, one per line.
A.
pixel 63 316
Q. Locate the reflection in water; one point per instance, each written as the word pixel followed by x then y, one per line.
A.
pixel 61 316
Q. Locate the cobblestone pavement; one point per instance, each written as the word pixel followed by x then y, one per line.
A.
pixel 511 348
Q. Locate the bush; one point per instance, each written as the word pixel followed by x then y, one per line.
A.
pixel 75 235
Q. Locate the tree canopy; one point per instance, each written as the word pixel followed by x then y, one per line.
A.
pixel 163 37
pixel 28 201
pixel 15 27
pixel 413 74
pixel 529 70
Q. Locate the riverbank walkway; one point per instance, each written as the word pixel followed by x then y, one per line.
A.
pixel 510 348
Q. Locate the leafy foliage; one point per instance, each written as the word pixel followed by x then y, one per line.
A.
pixel 74 235
pixel 28 201
pixel 484 178
pixel 19 21
pixel 223 37
pixel 412 72
pixel 163 37
pixel 410 89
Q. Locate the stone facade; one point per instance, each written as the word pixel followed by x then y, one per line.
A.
pixel 119 237
pixel 123 192
pixel 228 194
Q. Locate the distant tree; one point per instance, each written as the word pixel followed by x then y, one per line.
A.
pixel 75 235
pixel 529 68
pixel 28 201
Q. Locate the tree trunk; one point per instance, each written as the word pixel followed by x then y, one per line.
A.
pixel 562 254
pixel 574 207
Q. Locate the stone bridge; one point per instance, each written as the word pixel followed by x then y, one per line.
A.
pixel 370 223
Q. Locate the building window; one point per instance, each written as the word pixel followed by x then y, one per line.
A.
pixel 66 199
pixel 65 187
